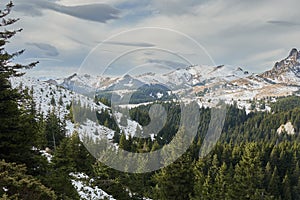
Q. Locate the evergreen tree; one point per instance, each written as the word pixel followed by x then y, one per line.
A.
pixel 82 159
pixel 176 180
pixel 248 174
pixel 60 101
pixel 274 183
pixel 63 164
pixel 16 184
pixel 124 143
pixel 286 190
pixel 52 102
pixel 54 130
pixel 16 136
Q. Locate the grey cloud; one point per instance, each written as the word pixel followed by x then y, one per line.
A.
pixel 28 9
pixel 48 49
pixel 168 63
pixel 92 12
pixel 134 44
pixel 176 7
pixel 283 23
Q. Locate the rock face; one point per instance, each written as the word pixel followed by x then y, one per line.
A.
pixel 288 128
pixel 286 70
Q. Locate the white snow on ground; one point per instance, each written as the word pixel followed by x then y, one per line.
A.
pixel 43 93
pixel 47 155
pixel 70 127
pixel 95 130
pixel 130 129
pixel 159 95
pixel 84 186
pixel 130 106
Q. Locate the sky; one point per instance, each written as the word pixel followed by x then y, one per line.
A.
pixel 117 36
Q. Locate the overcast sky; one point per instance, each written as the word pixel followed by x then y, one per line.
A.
pixel 99 36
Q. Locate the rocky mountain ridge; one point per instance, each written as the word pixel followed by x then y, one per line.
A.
pixel 287 70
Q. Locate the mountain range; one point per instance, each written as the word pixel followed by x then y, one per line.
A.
pixel 206 84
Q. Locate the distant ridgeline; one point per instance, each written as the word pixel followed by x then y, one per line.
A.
pixel 143 94
pixel 238 127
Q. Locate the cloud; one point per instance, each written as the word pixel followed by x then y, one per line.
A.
pixel 48 49
pixel 283 23
pixel 92 12
pixel 176 7
pixel 169 63
pixel 239 33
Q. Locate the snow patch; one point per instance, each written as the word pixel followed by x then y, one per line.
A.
pixel 84 186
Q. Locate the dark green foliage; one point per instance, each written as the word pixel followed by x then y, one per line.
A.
pixel 105 118
pixel 54 130
pixel 16 184
pixel 52 102
pixel 170 128
pixel 119 184
pixel 247 177
pixel 63 164
pixel 70 156
pixel 175 181
pixel 17 114
pixel 80 113
pixel 251 161
pixel 60 101
pixel 285 104
pixel 104 99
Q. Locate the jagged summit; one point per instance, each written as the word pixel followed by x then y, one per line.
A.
pixel 287 70
pixel 290 61
pixel 294 52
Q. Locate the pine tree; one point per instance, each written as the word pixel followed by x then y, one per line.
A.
pixel 124 143
pixel 82 159
pixel 16 138
pixel 63 164
pixel 176 180
pixel 248 174
pixel 155 146
pixel 16 184
pixel 60 101
pixel 222 182
pixel 54 130
pixel 52 102
pixel 286 190
pixel 268 174
pixel 274 184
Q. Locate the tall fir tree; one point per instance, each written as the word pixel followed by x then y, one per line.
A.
pixel 16 139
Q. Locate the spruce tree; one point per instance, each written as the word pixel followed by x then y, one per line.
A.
pixel 16 139
pixel 16 184
pixel 54 130
pixel 248 174
pixel 274 184
pixel 286 188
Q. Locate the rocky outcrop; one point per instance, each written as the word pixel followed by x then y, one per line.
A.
pixel 286 70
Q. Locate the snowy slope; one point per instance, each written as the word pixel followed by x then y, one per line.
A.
pixel 43 92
